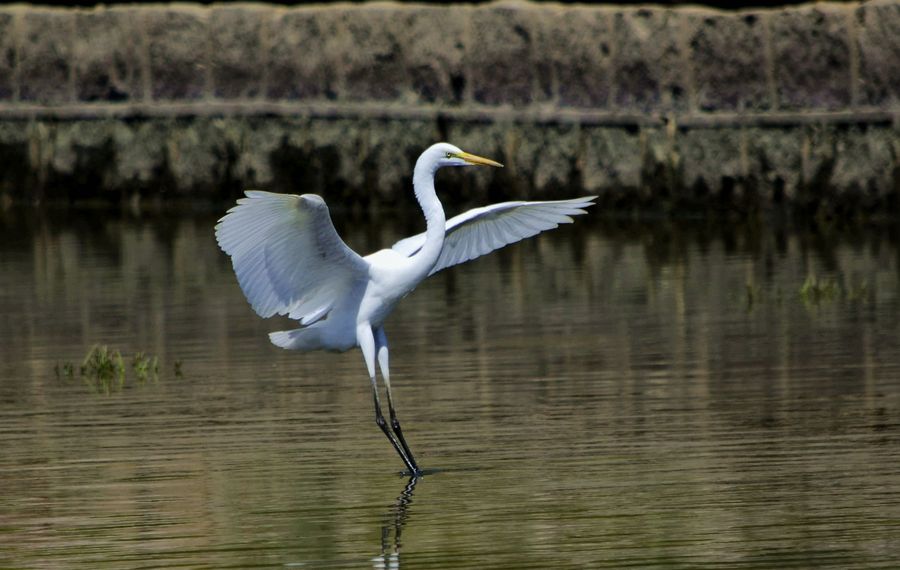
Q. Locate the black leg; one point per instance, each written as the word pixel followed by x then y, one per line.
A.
pixel 382 350
pixel 382 423
pixel 395 425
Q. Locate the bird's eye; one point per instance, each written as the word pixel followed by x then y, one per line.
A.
pixel 449 155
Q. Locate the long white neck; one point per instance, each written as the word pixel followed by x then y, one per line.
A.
pixel 423 183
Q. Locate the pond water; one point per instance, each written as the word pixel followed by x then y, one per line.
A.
pixel 611 394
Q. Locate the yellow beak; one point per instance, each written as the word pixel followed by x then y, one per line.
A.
pixel 472 159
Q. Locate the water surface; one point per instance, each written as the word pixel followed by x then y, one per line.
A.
pixel 657 395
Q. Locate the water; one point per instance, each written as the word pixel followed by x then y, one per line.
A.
pixel 659 395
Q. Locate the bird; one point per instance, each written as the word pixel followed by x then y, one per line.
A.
pixel 290 261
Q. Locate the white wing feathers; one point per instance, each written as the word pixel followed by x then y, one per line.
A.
pixel 288 258
pixel 482 230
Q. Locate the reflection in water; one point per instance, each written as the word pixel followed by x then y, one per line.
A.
pixel 395 520
pixel 615 394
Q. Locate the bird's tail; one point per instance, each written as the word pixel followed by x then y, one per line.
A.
pixel 306 338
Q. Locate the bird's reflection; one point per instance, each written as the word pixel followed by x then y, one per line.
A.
pixel 394 521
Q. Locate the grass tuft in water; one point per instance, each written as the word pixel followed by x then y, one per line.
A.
pixel 104 369
pixel 103 363
pixel 814 292
pixel 145 367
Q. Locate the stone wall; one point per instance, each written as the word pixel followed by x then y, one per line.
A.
pixel 643 105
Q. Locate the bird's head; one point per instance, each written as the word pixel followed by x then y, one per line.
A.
pixel 445 154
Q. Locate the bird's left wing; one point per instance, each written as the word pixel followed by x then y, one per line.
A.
pixel 288 258
pixel 482 230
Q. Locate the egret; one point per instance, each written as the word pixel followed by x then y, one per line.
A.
pixel 289 260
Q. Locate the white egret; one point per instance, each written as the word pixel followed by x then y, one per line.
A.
pixel 289 260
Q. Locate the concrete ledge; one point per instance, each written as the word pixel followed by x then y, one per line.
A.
pixel 819 57
pixel 677 104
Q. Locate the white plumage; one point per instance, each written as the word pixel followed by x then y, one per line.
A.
pixel 287 255
pixel 289 260
pixel 482 230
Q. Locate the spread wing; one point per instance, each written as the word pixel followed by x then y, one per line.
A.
pixel 288 258
pixel 482 230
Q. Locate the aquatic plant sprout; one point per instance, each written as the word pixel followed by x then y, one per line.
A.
pixel 104 370
pixel 289 260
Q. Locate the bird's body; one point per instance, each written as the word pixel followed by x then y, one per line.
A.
pixel 290 261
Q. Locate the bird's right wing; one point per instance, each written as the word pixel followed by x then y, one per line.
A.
pixel 288 258
pixel 482 230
